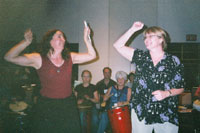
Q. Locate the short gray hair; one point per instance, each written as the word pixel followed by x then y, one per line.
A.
pixel 121 74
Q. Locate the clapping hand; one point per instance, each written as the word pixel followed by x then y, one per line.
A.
pixel 80 101
pixel 87 97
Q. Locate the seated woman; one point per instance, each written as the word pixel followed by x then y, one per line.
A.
pixel 119 94
pixel 87 96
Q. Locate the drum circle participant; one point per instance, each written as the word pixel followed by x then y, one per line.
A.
pixel 119 96
pixel 159 79
pixel 102 87
pixel 87 96
pixel 56 109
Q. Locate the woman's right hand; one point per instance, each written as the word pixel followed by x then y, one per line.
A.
pixel 28 36
pixel 137 26
pixel 87 34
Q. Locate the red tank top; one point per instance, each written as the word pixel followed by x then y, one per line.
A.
pixel 55 81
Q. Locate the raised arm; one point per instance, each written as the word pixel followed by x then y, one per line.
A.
pixel 107 95
pixel 127 51
pixel 84 57
pixel 13 55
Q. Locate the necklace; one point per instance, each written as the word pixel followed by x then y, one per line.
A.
pixel 58 70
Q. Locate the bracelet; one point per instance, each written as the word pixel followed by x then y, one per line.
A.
pixel 170 93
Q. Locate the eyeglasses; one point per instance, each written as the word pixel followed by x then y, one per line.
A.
pixel 151 36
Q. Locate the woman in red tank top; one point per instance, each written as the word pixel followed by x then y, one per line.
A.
pixel 56 110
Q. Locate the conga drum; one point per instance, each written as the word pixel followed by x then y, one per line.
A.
pixel 120 119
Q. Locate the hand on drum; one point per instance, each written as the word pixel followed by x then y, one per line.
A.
pixel 119 104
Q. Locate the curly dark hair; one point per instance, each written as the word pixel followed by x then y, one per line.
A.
pixel 130 74
pixel 45 46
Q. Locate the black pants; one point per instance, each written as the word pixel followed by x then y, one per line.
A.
pixel 56 116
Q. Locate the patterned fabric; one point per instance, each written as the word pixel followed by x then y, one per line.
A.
pixel 167 74
pixel 118 95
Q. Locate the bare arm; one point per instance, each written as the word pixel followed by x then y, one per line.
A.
pixel 76 93
pixel 107 95
pixel 13 55
pixel 160 95
pixel 129 95
pixel 79 101
pixel 126 51
pixel 84 57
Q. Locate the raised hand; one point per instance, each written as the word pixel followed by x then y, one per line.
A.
pixel 137 25
pixel 28 36
pixel 87 33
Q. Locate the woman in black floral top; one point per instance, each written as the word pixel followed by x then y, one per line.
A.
pixel 158 81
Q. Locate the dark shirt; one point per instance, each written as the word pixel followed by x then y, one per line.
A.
pixel 103 88
pixel 167 74
pixel 82 91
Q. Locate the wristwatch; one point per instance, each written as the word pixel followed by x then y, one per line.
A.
pixel 170 93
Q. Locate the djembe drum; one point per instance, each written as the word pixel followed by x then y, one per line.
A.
pixel 120 119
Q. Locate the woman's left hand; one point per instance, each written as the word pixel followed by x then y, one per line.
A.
pixel 87 33
pixel 120 104
pixel 28 36
pixel 160 95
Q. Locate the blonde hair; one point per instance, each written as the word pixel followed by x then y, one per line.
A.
pixel 159 32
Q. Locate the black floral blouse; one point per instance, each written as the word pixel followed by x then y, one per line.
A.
pixel 167 74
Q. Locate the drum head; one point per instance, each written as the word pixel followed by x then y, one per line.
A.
pixel 18 106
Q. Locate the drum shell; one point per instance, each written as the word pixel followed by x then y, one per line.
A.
pixel 120 119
